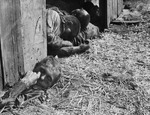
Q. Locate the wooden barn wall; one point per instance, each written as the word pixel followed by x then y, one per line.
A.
pixel 114 8
pixel 33 31
pixel 11 40
pixel 23 37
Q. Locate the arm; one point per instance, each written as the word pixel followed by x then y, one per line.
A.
pixel 11 95
pixel 56 42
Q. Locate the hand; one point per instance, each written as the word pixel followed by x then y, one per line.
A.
pixel 31 78
pixel 66 44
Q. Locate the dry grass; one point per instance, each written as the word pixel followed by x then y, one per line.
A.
pixel 111 79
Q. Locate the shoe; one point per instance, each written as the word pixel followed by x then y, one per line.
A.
pixel 83 48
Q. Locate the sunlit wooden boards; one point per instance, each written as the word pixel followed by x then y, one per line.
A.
pixel 23 36
pixel 34 31
pixel 120 6
pixel 12 55
pixel 114 8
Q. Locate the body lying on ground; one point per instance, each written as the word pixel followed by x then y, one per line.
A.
pixel 66 34
pixel 45 74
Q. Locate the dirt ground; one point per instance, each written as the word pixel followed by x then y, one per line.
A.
pixel 112 78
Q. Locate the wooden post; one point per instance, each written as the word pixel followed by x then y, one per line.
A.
pixel 34 32
pixel 12 55
pixel 110 9
pixel 23 36
pixel 120 6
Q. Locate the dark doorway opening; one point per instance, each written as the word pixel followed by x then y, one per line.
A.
pixel 67 5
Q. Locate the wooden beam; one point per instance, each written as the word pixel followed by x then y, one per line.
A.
pixel 34 31
pixel 23 36
pixel 114 8
pixel 11 40
pixel 120 6
pixel 109 11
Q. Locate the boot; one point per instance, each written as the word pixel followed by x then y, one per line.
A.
pixel 80 49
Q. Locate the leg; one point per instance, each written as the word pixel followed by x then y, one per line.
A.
pixel 68 51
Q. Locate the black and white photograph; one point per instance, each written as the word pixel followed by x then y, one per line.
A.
pixel 74 57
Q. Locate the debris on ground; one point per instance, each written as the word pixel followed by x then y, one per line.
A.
pixel 133 13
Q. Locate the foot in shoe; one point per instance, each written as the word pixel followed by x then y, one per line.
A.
pixel 84 47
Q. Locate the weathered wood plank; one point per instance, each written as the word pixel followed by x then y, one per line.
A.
pixel 114 7
pixel 120 6
pixel 34 31
pixel 109 11
pixel 23 36
pixel 11 40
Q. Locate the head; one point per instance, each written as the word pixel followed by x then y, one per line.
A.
pixel 50 72
pixel 83 16
pixel 71 28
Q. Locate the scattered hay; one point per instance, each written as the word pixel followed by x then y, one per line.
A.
pixel 111 78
